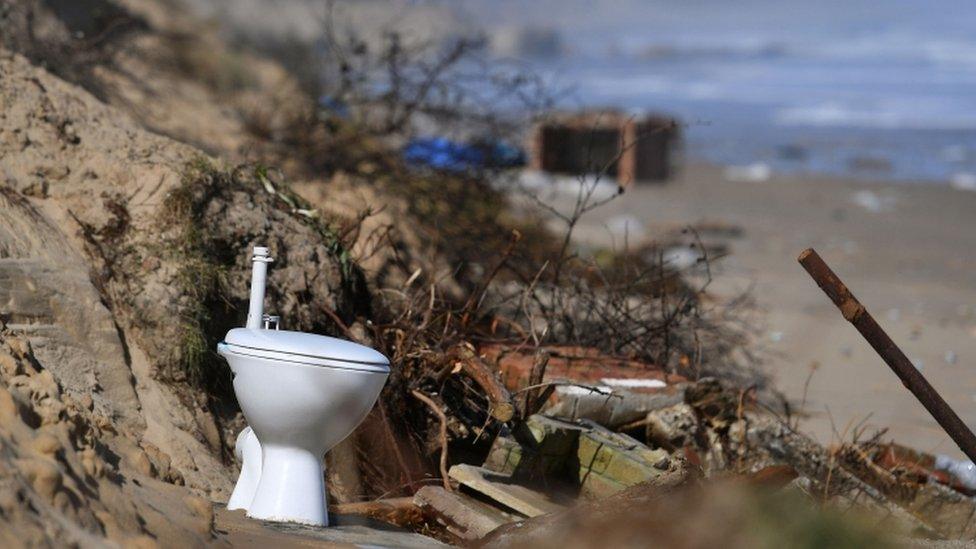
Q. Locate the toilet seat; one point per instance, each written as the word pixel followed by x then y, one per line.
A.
pixel 306 349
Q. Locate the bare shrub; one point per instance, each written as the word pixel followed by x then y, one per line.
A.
pixel 401 84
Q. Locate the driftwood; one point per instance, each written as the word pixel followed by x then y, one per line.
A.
pixel 462 358
pixel 400 511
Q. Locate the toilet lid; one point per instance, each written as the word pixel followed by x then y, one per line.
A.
pixel 308 348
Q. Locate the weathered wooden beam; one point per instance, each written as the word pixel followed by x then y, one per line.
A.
pixel 499 488
pixel 464 516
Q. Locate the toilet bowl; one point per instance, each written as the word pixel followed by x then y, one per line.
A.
pixel 301 394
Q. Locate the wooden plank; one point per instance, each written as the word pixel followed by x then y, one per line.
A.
pixel 399 511
pixel 500 488
pixel 378 506
pixel 463 515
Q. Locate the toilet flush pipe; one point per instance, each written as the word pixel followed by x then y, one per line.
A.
pixel 259 274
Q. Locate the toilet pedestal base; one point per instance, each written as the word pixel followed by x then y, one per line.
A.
pixel 248 451
pixel 291 489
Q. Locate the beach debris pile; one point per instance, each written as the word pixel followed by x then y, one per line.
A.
pixel 588 428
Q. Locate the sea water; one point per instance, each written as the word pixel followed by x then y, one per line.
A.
pixel 879 90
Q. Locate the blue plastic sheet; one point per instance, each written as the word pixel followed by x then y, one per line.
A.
pixel 440 153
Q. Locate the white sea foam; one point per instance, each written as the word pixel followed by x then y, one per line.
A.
pixel 905 84
pixel 964 181
pixel 893 115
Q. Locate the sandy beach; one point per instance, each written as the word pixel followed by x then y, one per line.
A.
pixel 906 250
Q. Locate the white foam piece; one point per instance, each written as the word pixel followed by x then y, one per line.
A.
pixel 539 181
pixel 634 383
pixel 629 225
pixel 681 257
pixel 874 202
pixel 752 173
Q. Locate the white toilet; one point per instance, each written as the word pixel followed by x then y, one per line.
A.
pixel 301 395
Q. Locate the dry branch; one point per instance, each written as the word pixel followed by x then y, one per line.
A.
pixel 463 357
pixel 443 433
pixel 530 402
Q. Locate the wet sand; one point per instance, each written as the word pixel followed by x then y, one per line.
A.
pixel 907 251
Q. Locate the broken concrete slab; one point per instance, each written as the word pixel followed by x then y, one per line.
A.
pixel 619 407
pixel 501 489
pixel 609 462
pixel 582 454
pixel 543 530
pixel 464 516
pixel 945 510
pixel 672 427
pixel 582 364
pixel 628 389
pixel 539 451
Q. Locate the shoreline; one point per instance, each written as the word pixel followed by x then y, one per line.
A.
pixel 961 180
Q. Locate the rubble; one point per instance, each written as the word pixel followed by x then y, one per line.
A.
pixel 537 469
pixel 672 427
pixel 626 390
pixel 542 469
pixel 465 517
pixel 501 489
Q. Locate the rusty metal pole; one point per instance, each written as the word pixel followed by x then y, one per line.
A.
pixel 856 314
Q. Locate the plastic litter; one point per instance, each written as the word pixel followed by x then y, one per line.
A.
pixel 443 154
pixel 751 173
pixel 963 470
